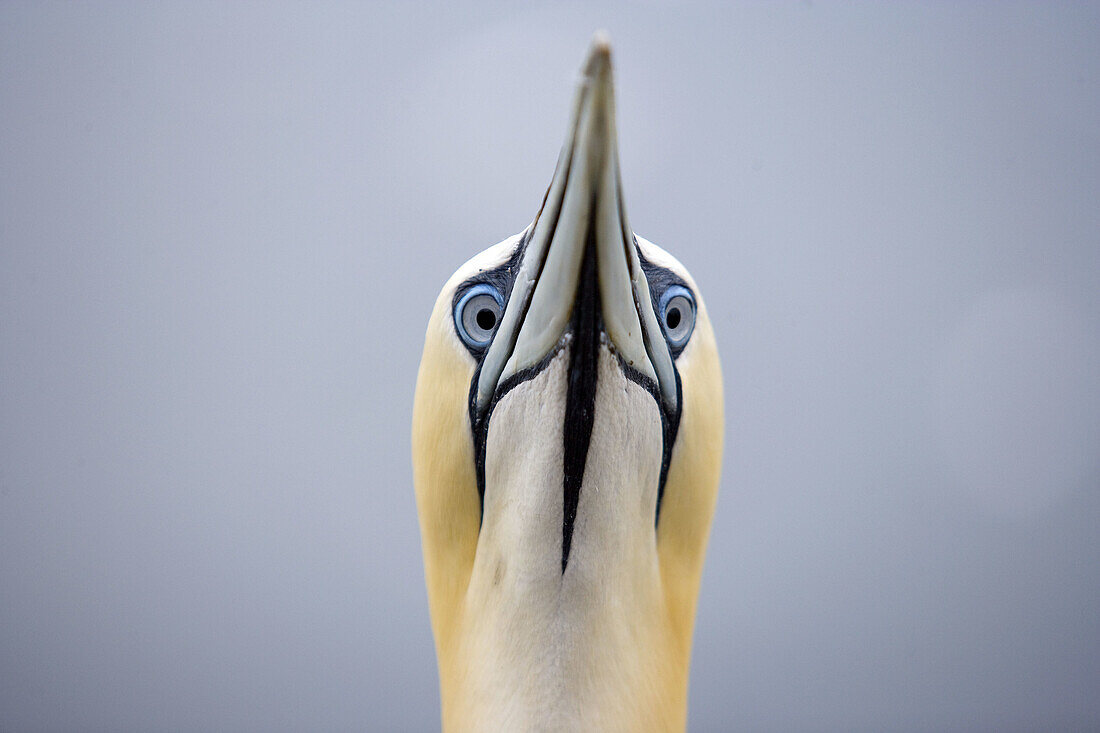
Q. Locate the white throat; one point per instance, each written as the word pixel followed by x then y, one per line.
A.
pixel 572 650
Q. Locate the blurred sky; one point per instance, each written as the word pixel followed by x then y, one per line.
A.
pixel 222 229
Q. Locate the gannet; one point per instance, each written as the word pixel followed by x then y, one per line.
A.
pixel 567 440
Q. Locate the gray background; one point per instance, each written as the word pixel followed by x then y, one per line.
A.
pixel 223 227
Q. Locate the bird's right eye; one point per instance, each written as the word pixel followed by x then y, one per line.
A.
pixel 477 314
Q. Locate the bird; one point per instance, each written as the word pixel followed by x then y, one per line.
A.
pixel 567 435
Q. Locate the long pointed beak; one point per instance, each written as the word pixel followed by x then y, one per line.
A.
pixel 583 209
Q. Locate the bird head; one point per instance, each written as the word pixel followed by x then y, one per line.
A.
pixel 567 437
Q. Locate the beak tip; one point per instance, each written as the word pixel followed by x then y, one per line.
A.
pixel 599 55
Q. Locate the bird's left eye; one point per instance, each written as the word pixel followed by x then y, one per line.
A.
pixel 477 314
pixel 677 315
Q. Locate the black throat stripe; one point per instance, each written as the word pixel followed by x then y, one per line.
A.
pixel 580 399
pixel 584 341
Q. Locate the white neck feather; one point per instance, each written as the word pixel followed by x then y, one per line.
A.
pixel 587 649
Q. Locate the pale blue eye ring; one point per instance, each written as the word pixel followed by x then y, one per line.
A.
pixel 477 314
pixel 677 313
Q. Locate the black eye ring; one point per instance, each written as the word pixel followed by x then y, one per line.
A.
pixel 677 313
pixel 477 315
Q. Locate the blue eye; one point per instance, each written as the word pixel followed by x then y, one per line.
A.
pixel 677 309
pixel 477 314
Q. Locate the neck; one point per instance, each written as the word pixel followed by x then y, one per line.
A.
pixel 590 647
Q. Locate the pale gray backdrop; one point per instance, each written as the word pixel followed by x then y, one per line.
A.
pixel 223 227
